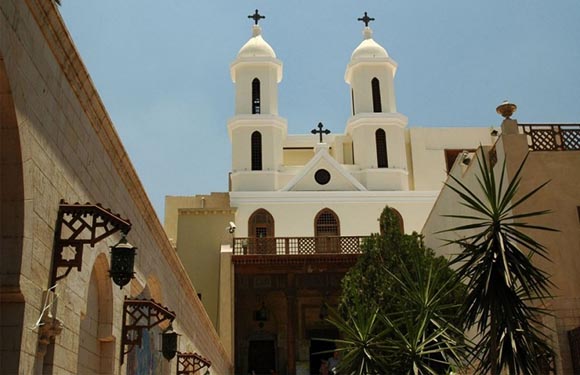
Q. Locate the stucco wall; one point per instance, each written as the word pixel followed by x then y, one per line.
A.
pixel 562 197
pixel 70 150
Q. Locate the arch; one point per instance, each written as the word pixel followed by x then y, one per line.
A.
pixel 96 352
pixel 326 223
pixel 389 218
pixel 376 90
pixel 261 232
pixel 327 232
pixel 256 151
pixel 261 224
pixel 11 226
pixel 381 144
pixel 256 99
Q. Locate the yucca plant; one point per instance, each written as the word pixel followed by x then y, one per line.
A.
pixel 505 289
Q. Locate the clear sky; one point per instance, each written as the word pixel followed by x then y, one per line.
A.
pixel 162 69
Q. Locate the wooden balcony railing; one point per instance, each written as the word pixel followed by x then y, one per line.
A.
pixel 298 245
pixel 550 137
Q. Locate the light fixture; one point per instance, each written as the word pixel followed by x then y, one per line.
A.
pixel 169 343
pixel 122 262
pixel 506 109
pixel 261 315
pixel 78 225
pixel 140 314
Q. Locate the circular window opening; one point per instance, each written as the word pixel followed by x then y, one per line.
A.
pixel 322 176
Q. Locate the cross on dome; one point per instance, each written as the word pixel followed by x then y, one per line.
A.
pixel 366 19
pixel 320 131
pixel 257 17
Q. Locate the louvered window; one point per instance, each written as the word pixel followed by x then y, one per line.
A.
pixel 377 107
pixel 256 151
pixel 255 96
pixel 381 142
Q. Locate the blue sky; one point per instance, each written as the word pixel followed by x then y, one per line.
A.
pixel 162 69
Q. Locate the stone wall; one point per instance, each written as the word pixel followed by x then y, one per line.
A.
pixel 58 142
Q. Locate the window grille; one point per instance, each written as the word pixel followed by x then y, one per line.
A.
pixel 327 224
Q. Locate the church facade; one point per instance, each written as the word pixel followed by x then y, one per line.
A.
pixel 275 247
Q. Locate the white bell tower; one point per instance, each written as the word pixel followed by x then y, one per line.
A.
pixel 256 131
pixel 376 128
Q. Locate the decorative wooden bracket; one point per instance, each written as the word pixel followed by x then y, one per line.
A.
pixel 190 363
pixel 139 314
pixel 84 224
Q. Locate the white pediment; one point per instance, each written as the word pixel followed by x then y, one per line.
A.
pixel 340 178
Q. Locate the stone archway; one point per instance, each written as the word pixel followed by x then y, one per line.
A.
pixel 96 341
pixel 11 227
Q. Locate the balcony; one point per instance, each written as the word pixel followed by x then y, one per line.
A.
pixel 331 245
pixel 552 137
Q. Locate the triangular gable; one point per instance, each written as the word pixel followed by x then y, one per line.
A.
pixel 340 178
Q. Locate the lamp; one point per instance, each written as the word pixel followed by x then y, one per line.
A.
pixel 78 225
pixel 139 314
pixel 122 262
pixel 169 343
pixel 506 109
pixel 261 315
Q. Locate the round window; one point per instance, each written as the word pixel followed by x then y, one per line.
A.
pixel 322 176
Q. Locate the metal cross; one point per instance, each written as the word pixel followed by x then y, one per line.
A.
pixel 320 131
pixel 366 19
pixel 256 17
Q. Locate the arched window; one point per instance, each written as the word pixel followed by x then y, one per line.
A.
pixel 352 100
pixel 381 142
pixel 377 107
pixel 327 232
pixel 261 233
pixel 261 224
pixel 255 96
pixel 388 221
pixel 256 151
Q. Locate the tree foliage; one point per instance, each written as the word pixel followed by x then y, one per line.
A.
pixel 399 308
pixel 505 289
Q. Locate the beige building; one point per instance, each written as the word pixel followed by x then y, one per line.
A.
pixel 301 204
pixel 554 155
pixel 60 313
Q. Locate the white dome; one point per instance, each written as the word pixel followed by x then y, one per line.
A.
pixel 368 48
pixel 256 46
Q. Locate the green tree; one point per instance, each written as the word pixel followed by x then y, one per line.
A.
pixel 505 289
pixel 399 308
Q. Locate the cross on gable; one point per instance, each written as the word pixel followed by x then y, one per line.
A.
pixel 366 19
pixel 256 17
pixel 320 131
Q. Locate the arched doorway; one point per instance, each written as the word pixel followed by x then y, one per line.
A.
pixel 96 342
pixel 11 225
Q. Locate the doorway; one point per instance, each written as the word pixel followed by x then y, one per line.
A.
pixel 320 349
pixel 261 357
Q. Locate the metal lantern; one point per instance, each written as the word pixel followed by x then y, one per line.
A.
pixel 169 343
pixel 122 262
pixel 261 315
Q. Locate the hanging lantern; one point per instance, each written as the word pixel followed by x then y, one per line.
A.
pixel 169 343
pixel 122 262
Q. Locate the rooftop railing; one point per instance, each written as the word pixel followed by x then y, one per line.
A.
pixel 298 245
pixel 552 137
